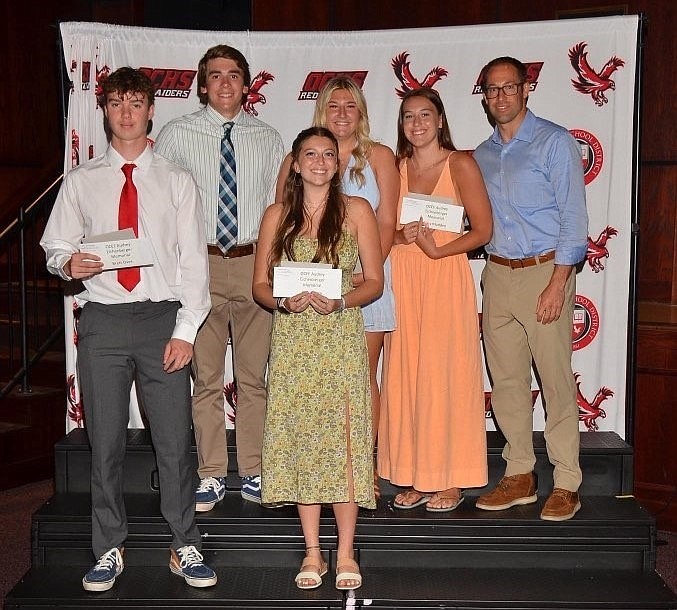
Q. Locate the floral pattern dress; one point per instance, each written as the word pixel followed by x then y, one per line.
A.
pixel 318 418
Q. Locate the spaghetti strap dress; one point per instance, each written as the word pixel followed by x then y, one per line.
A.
pixel 318 418
pixel 432 426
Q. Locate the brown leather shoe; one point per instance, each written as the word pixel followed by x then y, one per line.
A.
pixel 561 505
pixel 510 491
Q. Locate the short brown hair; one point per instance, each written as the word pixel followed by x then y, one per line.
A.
pixel 225 52
pixel 127 80
pixel 515 63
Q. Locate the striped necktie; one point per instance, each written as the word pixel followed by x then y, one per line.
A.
pixel 128 217
pixel 226 225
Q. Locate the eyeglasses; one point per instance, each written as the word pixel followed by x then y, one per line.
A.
pixel 511 89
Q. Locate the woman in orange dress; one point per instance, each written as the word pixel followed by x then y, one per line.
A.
pixel 432 435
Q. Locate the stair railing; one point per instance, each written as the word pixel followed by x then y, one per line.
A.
pixel 32 316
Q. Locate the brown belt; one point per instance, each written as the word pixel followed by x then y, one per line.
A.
pixel 519 263
pixel 234 252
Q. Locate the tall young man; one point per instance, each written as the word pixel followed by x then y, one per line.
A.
pixel 234 158
pixel 137 324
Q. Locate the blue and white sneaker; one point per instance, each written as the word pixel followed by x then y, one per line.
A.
pixel 251 488
pixel 187 562
pixel 210 491
pixel 102 576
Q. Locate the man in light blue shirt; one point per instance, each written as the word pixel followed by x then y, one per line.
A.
pixel 534 176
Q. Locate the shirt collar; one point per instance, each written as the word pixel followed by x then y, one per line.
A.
pixel 218 119
pixel 525 131
pixel 142 162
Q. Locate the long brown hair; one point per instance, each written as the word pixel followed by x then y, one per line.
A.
pixel 404 146
pixel 293 218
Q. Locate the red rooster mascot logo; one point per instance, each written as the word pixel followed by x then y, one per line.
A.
pixel 590 82
pixel 588 412
pixel 597 250
pixel 400 64
pixel 253 95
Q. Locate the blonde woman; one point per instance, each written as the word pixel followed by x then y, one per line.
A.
pixel 367 169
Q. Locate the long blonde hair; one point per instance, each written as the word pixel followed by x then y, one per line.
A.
pixel 364 142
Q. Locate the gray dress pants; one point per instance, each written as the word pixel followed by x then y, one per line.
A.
pixel 119 344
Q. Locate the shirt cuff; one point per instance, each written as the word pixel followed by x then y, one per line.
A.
pixel 569 257
pixel 185 332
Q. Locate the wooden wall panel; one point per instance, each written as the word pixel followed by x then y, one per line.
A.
pixel 655 422
pixel 659 141
pixel 361 15
pixel 658 230
pixel 293 15
pixel 30 107
pixel 290 15
pixel 121 12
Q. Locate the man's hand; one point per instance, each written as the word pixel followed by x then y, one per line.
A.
pixel 551 300
pixel 82 266
pixel 178 353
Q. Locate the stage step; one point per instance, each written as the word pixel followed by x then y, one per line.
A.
pixel 271 588
pixel 605 458
pixel 602 559
pixel 606 534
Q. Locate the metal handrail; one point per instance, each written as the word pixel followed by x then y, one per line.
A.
pixel 27 210
pixel 31 293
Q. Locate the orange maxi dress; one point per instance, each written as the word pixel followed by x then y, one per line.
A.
pixel 432 426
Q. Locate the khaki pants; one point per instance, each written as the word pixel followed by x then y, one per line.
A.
pixel 234 313
pixel 512 338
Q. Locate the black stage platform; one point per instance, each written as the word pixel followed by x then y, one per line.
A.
pixel 604 558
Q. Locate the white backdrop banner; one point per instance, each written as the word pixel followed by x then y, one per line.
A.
pixel 582 75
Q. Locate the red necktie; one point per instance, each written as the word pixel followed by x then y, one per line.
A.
pixel 128 218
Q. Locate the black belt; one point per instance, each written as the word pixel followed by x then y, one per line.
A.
pixel 234 252
pixel 519 263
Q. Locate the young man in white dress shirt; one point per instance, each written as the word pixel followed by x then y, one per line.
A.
pixel 195 142
pixel 137 324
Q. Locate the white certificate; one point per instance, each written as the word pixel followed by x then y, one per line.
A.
pixel 290 278
pixel 119 249
pixel 438 212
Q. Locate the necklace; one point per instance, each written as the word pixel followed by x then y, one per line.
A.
pixel 420 170
pixel 313 206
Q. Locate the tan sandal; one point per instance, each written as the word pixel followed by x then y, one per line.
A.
pixel 312 569
pixel 411 498
pixel 347 569
pixel 456 500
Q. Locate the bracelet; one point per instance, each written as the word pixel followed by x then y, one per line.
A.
pixel 342 306
pixel 280 304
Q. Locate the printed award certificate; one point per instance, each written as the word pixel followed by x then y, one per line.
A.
pixel 291 277
pixel 438 212
pixel 119 249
